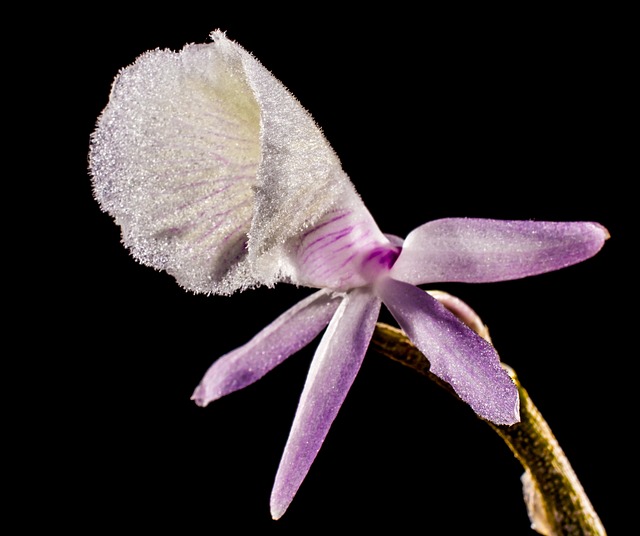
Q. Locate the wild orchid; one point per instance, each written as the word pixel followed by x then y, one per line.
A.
pixel 217 175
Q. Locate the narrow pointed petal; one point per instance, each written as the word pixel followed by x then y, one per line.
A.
pixel 332 372
pixel 457 354
pixel 482 250
pixel 286 335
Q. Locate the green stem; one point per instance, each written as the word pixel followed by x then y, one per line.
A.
pixel 556 502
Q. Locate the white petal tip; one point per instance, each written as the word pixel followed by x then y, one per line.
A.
pixel 200 397
pixel 277 513
pixel 605 232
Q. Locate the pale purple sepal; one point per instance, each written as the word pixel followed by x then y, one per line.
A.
pixel 483 250
pixel 290 332
pixel 457 354
pixel 334 367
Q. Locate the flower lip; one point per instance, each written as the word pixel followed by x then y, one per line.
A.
pixel 378 261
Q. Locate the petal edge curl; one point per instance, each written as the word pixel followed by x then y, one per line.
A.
pixel 457 354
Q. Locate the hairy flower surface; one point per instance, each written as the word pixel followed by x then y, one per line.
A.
pixel 216 174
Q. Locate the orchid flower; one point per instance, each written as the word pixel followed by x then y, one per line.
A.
pixel 217 175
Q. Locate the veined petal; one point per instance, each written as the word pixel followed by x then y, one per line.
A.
pixel 174 160
pixel 457 354
pixel 210 166
pixel 483 250
pixel 286 335
pixel 335 252
pixel 300 177
pixel 334 367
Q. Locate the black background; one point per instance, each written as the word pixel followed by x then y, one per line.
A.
pixel 515 115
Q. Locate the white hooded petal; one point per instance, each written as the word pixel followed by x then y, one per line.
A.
pixel 211 167
pixel 174 159
pixel 300 176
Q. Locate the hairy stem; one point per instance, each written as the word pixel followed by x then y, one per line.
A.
pixel 556 502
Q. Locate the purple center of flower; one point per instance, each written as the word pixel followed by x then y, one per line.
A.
pixel 379 261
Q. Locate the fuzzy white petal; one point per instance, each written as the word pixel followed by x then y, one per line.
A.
pixel 300 176
pixel 174 160
pixel 211 167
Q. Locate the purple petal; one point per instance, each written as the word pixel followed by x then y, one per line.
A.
pixel 331 253
pixel 280 339
pixel 479 250
pixel 457 354
pixel 332 372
